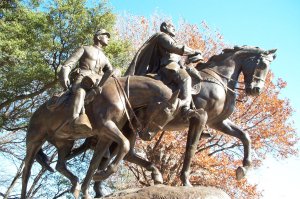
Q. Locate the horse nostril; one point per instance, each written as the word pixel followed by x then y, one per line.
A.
pixel 257 90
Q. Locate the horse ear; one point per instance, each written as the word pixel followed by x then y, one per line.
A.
pixel 272 51
pixel 174 98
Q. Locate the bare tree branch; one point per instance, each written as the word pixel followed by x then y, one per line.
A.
pixel 21 97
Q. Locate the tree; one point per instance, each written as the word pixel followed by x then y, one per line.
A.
pixel 266 118
pixel 35 38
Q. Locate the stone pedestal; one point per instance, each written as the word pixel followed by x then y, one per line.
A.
pixel 168 192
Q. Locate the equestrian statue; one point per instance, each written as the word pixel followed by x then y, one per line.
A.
pixel 158 93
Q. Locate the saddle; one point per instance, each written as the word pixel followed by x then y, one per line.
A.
pixel 194 74
pixel 57 100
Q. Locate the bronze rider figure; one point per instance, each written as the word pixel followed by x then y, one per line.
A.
pixel 161 55
pixel 92 63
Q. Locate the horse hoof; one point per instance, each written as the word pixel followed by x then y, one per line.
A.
pixel 240 173
pixel 76 190
pixel 184 177
pixel 187 184
pixel 99 195
pixel 99 176
pixel 157 178
pixel 87 197
pixel 247 163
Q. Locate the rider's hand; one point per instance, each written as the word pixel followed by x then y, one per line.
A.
pixel 64 77
pixel 66 83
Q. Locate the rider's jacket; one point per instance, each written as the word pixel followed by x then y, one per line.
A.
pixel 91 60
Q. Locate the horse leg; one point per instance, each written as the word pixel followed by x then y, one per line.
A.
pixel 195 129
pixel 229 128
pixel 134 158
pixel 98 189
pixel 149 166
pixel 99 152
pixel 123 147
pixel 82 148
pixel 103 165
pixel 33 145
pixel 63 149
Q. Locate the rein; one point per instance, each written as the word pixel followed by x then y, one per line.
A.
pixel 227 78
pixel 126 95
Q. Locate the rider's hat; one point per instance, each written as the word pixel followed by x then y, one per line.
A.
pixel 102 32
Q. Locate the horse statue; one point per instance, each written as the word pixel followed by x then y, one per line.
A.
pixel 215 103
pixel 108 113
pixel 217 98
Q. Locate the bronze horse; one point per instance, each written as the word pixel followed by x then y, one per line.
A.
pixel 216 101
pixel 107 113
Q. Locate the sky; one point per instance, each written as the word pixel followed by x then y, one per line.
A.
pixel 267 24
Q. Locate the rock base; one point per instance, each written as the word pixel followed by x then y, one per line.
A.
pixel 169 192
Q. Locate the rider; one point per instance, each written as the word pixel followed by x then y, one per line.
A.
pixel 161 55
pixel 92 62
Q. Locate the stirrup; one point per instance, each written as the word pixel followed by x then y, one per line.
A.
pixel 81 124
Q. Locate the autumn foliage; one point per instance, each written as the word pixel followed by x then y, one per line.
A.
pixel 265 118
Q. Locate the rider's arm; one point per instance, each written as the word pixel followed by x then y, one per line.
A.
pixel 170 45
pixel 68 65
pixel 73 59
pixel 108 68
pixel 108 71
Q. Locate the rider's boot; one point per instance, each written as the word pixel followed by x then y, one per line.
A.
pixel 186 98
pixel 80 122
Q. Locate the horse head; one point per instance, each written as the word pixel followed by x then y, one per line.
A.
pixel 255 68
pixel 157 115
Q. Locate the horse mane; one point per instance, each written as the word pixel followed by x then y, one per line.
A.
pixel 229 52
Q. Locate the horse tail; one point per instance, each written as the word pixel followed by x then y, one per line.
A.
pixel 44 161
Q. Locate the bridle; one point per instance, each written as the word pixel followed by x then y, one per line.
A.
pixel 229 79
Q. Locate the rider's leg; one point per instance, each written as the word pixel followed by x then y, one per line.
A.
pixel 80 122
pixel 185 84
pixel 78 104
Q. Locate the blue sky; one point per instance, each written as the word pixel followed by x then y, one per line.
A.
pixel 264 23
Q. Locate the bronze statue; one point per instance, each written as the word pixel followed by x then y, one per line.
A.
pixel 93 64
pixel 155 104
pixel 107 117
pixel 217 100
pixel 160 55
